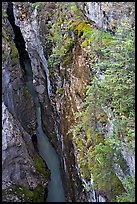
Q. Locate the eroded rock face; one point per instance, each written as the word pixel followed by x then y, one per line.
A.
pixel 51 108
pixel 78 76
pixel 58 106
pixel 19 167
pixel 107 15
pixel 30 31
pixel 15 94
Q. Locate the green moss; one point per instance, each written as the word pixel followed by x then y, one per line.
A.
pixel 60 20
pixel 99 138
pixel 122 164
pixel 14 54
pixel 85 43
pixel 60 91
pixel 117 187
pixel 13 61
pixel 50 66
pixel 68 43
pixel 107 39
pixel 85 171
pixel 51 73
pixel 24 89
pixel 38 194
pixel 79 143
pixel 40 165
pixel 49 14
pixel 4 35
pixel 102 117
pixel 4 13
pixel 27 195
pixel 66 60
pixel 37 5
pixel 89 143
pixel 74 7
pixel 14 51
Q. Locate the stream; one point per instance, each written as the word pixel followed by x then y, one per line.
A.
pixel 46 150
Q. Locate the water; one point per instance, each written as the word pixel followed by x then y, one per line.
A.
pixel 48 153
pixel 56 191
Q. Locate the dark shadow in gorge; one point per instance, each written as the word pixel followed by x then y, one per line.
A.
pixel 18 40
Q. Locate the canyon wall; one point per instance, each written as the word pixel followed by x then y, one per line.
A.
pixel 21 175
pixel 61 68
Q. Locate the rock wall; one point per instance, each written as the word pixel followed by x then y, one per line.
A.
pixel 68 83
pixel 15 94
pixel 55 113
pixel 22 180
pixel 30 30
pixel 107 15
pixel 76 78
pixel 69 80
pixel 61 87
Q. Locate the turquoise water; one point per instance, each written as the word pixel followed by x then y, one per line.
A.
pixel 48 153
pixel 46 150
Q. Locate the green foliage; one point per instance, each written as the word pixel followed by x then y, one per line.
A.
pixel 130 195
pixel 115 57
pixel 74 7
pixel 83 28
pixel 60 91
pixel 104 156
pixel 66 60
pixel 61 31
pixel 118 63
pixel 62 44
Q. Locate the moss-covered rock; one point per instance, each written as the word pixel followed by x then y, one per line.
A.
pixel 102 117
pixel 68 43
pixel 66 60
pixel 29 195
pixel 24 89
pixel 14 54
pixel 89 143
pixel 99 138
pixel 60 91
pixel 41 167
pixel 117 187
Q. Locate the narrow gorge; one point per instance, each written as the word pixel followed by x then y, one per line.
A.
pixel 68 102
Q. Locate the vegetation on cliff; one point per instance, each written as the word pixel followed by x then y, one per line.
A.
pixel 105 123
pixel 115 62
pixel 109 99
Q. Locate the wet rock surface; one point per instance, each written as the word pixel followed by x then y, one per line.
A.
pixel 20 175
